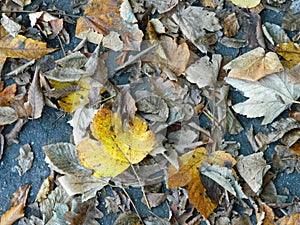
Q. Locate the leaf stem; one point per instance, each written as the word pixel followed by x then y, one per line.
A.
pixel 296 102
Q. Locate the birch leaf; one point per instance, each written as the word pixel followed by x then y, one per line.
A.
pixel 254 65
pixel 268 97
pixel 35 96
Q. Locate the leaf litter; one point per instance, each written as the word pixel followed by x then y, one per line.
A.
pixel 144 132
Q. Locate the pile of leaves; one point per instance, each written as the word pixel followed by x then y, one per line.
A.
pixel 145 132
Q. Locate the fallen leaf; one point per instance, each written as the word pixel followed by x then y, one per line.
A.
pixel 62 157
pixel 290 21
pixel 17 204
pixel 231 25
pixel 268 97
pixel 246 3
pixel 163 6
pixel 12 136
pixel 25 159
pixel 290 51
pixel 154 199
pixel 20 47
pixel 290 220
pixel 103 16
pixel 7 94
pixel 118 147
pixel 188 175
pixel 36 96
pixel 254 65
pixel 7 115
pixel 276 32
pixel 10 26
pixel 253 168
pixel 205 71
pixel 128 218
pixel 285 160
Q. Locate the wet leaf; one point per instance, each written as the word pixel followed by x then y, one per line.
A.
pixel 188 175
pixel 25 159
pixel 290 51
pixel 62 157
pixel 103 16
pixel 253 168
pixel 246 3
pixel 268 97
pixel 17 203
pixel 254 65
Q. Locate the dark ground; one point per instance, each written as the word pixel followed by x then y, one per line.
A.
pixel 52 127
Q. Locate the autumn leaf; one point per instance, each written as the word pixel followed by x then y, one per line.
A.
pixel 118 147
pixel 290 220
pixel 290 51
pixel 101 17
pixel 20 47
pixel 254 65
pixel 17 204
pixel 246 3
pixel 7 94
pixel 268 97
pixel 188 175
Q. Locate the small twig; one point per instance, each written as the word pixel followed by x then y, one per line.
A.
pixel 63 14
pixel 133 205
pixel 61 45
pixel 103 100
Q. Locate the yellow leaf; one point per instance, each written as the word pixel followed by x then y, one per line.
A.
pixel 75 99
pixel 188 175
pixel 290 51
pixel 17 203
pixel 94 156
pixel 254 65
pixel 246 3
pixel 20 47
pixel 103 16
pixel 118 148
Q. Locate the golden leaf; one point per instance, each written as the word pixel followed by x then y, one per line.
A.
pixel 188 175
pixel 75 99
pixel 103 16
pixel 290 51
pixel 118 147
pixel 17 203
pixel 246 3
pixel 254 65
pixel 20 47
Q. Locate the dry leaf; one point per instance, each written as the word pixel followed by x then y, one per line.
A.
pixel 254 65
pixel 7 115
pixel 276 32
pixel 25 159
pixel 20 47
pixel 253 168
pixel 290 51
pixel 246 3
pixel 17 203
pixel 188 175
pixel 163 6
pixel 103 16
pixel 119 146
pixel 290 220
pixel 10 26
pixel 268 97
pixel 205 71
pixel 7 94
pixel 128 218
pixel 231 25
pixel 36 96
pixel 291 21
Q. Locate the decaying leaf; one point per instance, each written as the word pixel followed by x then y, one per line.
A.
pixel 25 159
pixel 20 47
pixel 286 160
pixel 246 3
pixel 118 147
pixel 205 71
pixel 253 168
pixel 291 21
pixel 254 65
pixel 268 97
pixel 103 16
pixel 17 204
pixel 188 175
pixel 290 51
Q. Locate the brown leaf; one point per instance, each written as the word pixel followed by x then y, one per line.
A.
pixel 35 96
pixel 254 65
pixel 20 47
pixel 17 203
pixel 103 16
pixel 231 25
pixel 7 94
pixel 290 220
pixel 128 218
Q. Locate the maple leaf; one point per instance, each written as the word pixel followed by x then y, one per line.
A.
pixel 20 47
pixel 254 65
pixel 188 175
pixel 268 97
pixel 102 17
pixel 246 3
pixel 17 203
pixel 118 147
pixel 290 51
